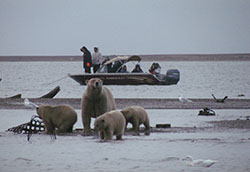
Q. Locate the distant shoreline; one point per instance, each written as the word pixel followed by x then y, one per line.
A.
pixel 153 57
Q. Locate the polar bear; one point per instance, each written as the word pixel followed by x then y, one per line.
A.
pixel 96 100
pixel 136 115
pixel 109 124
pixel 61 117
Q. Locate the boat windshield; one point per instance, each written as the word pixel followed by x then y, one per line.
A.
pixel 116 64
pixel 102 69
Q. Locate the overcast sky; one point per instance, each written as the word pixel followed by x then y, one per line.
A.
pixel 62 27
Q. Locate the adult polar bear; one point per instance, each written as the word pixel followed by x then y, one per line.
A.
pixel 96 100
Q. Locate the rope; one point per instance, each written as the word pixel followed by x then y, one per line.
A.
pixel 56 80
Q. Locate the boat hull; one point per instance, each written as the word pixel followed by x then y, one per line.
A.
pixel 125 79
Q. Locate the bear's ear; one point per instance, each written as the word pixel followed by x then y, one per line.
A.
pixel 123 112
pixel 101 80
pixel 86 81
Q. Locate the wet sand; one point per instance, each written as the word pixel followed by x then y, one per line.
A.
pixel 18 103
pixel 150 57
pixel 8 103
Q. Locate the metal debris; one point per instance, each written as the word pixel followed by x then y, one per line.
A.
pixel 33 126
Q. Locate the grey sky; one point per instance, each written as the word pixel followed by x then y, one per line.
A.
pixel 61 27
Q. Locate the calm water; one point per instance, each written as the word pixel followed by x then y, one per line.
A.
pixel 198 80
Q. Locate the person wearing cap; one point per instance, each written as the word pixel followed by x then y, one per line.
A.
pixel 87 59
pixel 97 59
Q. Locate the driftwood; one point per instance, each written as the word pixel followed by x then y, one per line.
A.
pixel 52 93
pixel 15 96
pixel 219 100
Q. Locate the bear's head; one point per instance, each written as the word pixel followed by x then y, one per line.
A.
pixel 94 86
pixel 42 111
pixel 126 113
pixel 99 124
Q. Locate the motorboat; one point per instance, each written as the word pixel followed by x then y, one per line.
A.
pixel 112 73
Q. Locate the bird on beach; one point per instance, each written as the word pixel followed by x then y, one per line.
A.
pixel 29 104
pixel 199 162
pixel 184 100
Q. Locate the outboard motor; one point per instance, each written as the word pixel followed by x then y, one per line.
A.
pixel 172 76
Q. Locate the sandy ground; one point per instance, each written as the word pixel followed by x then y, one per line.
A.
pixel 157 152
pixel 226 142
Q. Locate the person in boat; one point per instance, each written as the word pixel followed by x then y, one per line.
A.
pixel 137 69
pixel 155 69
pixel 124 69
pixel 87 59
pixel 96 59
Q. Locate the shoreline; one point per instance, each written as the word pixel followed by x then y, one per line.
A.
pixel 149 57
pixel 18 103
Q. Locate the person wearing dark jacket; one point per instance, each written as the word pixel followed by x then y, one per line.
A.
pixel 137 69
pixel 87 59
